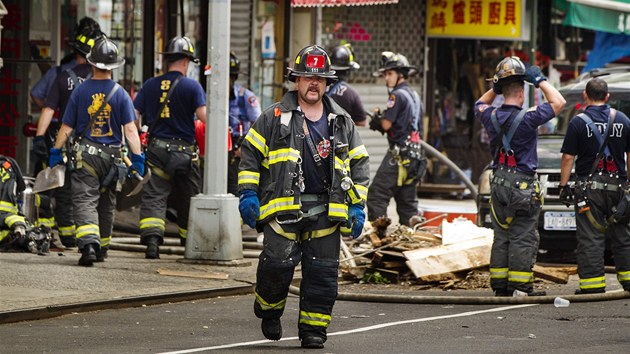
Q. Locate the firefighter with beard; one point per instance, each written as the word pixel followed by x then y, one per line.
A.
pixel 99 113
pixel 516 199
pixel 303 180
pixel 600 138
pixel 169 104
pixel 404 163
pixel 57 99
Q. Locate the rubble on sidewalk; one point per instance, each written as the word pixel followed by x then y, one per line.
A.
pixel 453 255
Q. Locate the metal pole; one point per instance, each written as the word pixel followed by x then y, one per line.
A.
pixel 532 45
pixel 214 229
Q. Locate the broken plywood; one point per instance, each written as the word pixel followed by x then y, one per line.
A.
pixel 433 261
pixel 558 275
pixel 189 274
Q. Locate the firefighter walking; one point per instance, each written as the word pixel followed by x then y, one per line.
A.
pixel 303 180
pixel 57 99
pixel 168 104
pixel 99 112
pixel 515 193
pixel 404 163
pixel 600 139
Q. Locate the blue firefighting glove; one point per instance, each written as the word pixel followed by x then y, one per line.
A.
pixel 534 76
pixel 566 195
pixel 137 164
pixel 356 219
pixel 39 148
pixel 55 157
pixel 249 206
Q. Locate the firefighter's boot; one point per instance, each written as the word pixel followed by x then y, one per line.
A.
pixel 153 250
pixel 312 342
pixel 271 328
pixel 88 256
pixel 101 254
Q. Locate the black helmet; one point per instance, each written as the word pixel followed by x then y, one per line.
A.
pixel 181 46
pixel 104 54
pixel 342 58
pixel 235 64
pixel 395 61
pixel 510 67
pixel 312 61
pixel 84 41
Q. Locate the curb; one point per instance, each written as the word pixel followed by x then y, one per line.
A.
pixel 39 313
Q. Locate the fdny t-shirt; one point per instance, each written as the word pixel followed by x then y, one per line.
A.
pixel 62 87
pixel 525 139
pixel 348 98
pixel 85 101
pixel 177 120
pixel 321 142
pixel 580 140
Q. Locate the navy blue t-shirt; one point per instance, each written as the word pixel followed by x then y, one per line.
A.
pixel 62 87
pixel 525 139
pixel 321 141
pixel 178 117
pixel 580 141
pixel 399 111
pixel 86 100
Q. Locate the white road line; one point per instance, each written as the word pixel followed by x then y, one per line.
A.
pixel 357 330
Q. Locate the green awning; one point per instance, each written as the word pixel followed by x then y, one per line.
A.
pixel 598 15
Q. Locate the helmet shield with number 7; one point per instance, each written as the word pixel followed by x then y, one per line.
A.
pixel 312 61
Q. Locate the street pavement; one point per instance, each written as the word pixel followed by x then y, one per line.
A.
pixel 36 287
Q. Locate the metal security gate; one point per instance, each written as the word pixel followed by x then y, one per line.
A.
pixel 240 36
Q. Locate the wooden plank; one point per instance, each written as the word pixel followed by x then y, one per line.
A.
pixel 557 275
pixel 189 274
pixel 431 262
pixel 376 241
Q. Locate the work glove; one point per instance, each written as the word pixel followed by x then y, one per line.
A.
pixel 39 148
pixel 137 165
pixel 356 219
pixel 534 76
pixel 566 195
pixel 249 206
pixel 55 157
pixel 375 122
pixel 497 88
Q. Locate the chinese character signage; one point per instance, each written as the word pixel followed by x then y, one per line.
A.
pixel 491 19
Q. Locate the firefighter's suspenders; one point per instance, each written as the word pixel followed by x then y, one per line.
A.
pixel 506 149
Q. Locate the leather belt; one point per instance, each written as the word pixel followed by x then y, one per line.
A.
pixel 106 152
pixel 174 145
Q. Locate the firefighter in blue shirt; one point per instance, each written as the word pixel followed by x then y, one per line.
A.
pixel 172 151
pixel 99 112
pixel 602 198
pixel 244 110
pixel 515 193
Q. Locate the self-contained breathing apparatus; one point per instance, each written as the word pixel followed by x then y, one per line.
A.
pixel 604 163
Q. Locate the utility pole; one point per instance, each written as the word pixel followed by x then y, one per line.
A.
pixel 214 228
pixel 532 45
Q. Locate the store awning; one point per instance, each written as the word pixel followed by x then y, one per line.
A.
pixel 330 3
pixel 611 16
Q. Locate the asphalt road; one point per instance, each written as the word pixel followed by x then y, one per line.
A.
pixel 227 325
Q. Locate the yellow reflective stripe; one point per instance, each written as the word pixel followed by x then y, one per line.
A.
pixel 148 223
pixel 8 207
pixel 105 241
pixel 339 164
pixel 265 163
pixel 315 319
pixel 67 231
pixel 276 205
pixel 265 306
pixel 258 141
pixel 248 177
pixel 319 233
pixel 593 283
pixel 3 234
pixel 50 222
pixel 12 219
pixel 358 152
pixel 362 190
pixel 88 229
pixel 345 230
pixel 283 155
pixel 338 210
pixel 182 232
pixel 277 228
pixel 355 198
pixel 520 277
pixel 623 276
pixel 498 273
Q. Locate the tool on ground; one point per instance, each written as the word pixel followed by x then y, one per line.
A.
pixel 50 178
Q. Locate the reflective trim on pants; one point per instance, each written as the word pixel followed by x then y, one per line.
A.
pixel 593 283
pixel 315 319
